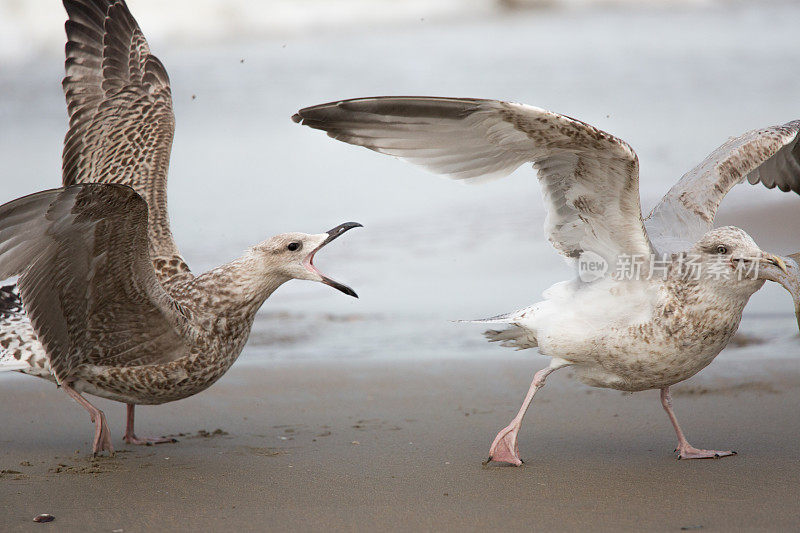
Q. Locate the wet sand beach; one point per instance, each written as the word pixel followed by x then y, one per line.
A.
pixel 375 414
pixel 363 446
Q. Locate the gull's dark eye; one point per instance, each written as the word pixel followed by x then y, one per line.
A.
pixel 294 246
pixel 722 250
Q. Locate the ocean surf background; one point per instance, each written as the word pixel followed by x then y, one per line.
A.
pixel 674 79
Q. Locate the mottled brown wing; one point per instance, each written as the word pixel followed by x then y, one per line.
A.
pixel 589 178
pixel 121 121
pixel 770 156
pixel 86 279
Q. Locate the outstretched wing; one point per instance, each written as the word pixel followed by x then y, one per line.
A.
pixel 589 179
pixel 770 156
pixel 121 121
pixel 86 279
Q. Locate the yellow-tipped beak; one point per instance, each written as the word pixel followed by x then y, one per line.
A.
pixel 777 261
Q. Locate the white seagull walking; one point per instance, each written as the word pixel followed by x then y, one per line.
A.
pixel 631 329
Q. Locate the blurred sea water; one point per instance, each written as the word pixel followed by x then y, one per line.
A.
pixel 674 79
pixel 26 25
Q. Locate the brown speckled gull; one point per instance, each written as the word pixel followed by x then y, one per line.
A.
pixel 620 327
pixel 104 303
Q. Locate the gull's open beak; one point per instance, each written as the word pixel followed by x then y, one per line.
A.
pixel 309 260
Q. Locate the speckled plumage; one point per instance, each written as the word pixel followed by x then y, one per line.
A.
pixel 121 121
pixel 104 303
pixel 769 156
pixel 19 348
pixel 95 307
pixel 627 334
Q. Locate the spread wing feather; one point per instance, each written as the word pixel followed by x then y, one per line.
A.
pixel 121 119
pixel 770 156
pixel 589 179
pixel 86 279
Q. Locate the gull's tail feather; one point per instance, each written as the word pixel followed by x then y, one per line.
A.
pixel 505 318
pixel 10 306
pixel 513 337
pixel 10 303
pixel 516 335
pixel 19 348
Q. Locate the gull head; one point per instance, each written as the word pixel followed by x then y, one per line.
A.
pixel 291 255
pixel 729 259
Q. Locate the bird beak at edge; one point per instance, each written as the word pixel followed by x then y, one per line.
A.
pixel 308 262
pixel 777 269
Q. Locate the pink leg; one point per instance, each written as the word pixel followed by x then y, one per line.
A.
pixel 131 438
pixel 505 448
pixel 102 436
pixel 684 449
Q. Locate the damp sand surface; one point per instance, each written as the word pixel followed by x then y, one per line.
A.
pixel 365 446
